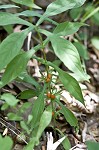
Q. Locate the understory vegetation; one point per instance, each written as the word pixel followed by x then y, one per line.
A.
pixel 49 74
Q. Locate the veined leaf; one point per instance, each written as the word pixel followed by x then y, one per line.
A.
pixel 14 117
pixel 76 13
pixel 29 13
pixel 44 122
pixel 69 116
pixel 59 6
pixel 6 143
pixel 24 76
pixel 26 94
pixel 37 109
pixel 8 6
pixel 70 83
pixel 9 99
pixel 8 18
pixel 11 46
pixel 67 28
pixel 29 3
pixel 8 28
pixel 15 67
pixel 82 50
pixel 68 54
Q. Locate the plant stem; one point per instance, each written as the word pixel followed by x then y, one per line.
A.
pixel 41 40
pixel 86 17
pixel 54 115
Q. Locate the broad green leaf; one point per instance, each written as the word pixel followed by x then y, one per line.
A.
pixel 8 28
pixel 44 122
pixel 59 6
pixel 8 18
pixel 28 94
pixel 9 99
pixel 95 42
pixel 29 13
pixel 67 28
pixel 15 67
pixel 37 109
pixel 14 117
pixel 91 145
pixel 70 83
pixel 82 50
pixel 45 32
pixel 76 13
pixel 29 3
pixel 6 143
pixel 11 46
pixel 68 54
pixel 69 116
pixel 24 76
pixel 4 106
pixel 8 6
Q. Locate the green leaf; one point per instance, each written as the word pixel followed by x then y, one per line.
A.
pixel 82 50
pixel 24 76
pixel 68 54
pixel 95 18
pixel 66 144
pixel 24 107
pixel 44 122
pixel 37 109
pixel 28 3
pixel 8 18
pixel 95 42
pixel 8 28
pixel 69 116
pixel 59 6
pixel 9 99
pixel 70 83
pixel 8 6
pixel 6 143
pixel 29 13
pixel 10 47
pixel 92 145
pixel 25 127
pixel 76 13
pixel 4 106
pixel 14 117
pixel 30 145
pixel 67 28
pixel 28 94
pixel 15 67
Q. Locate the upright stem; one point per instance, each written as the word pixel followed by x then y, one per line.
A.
pixel 44 54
